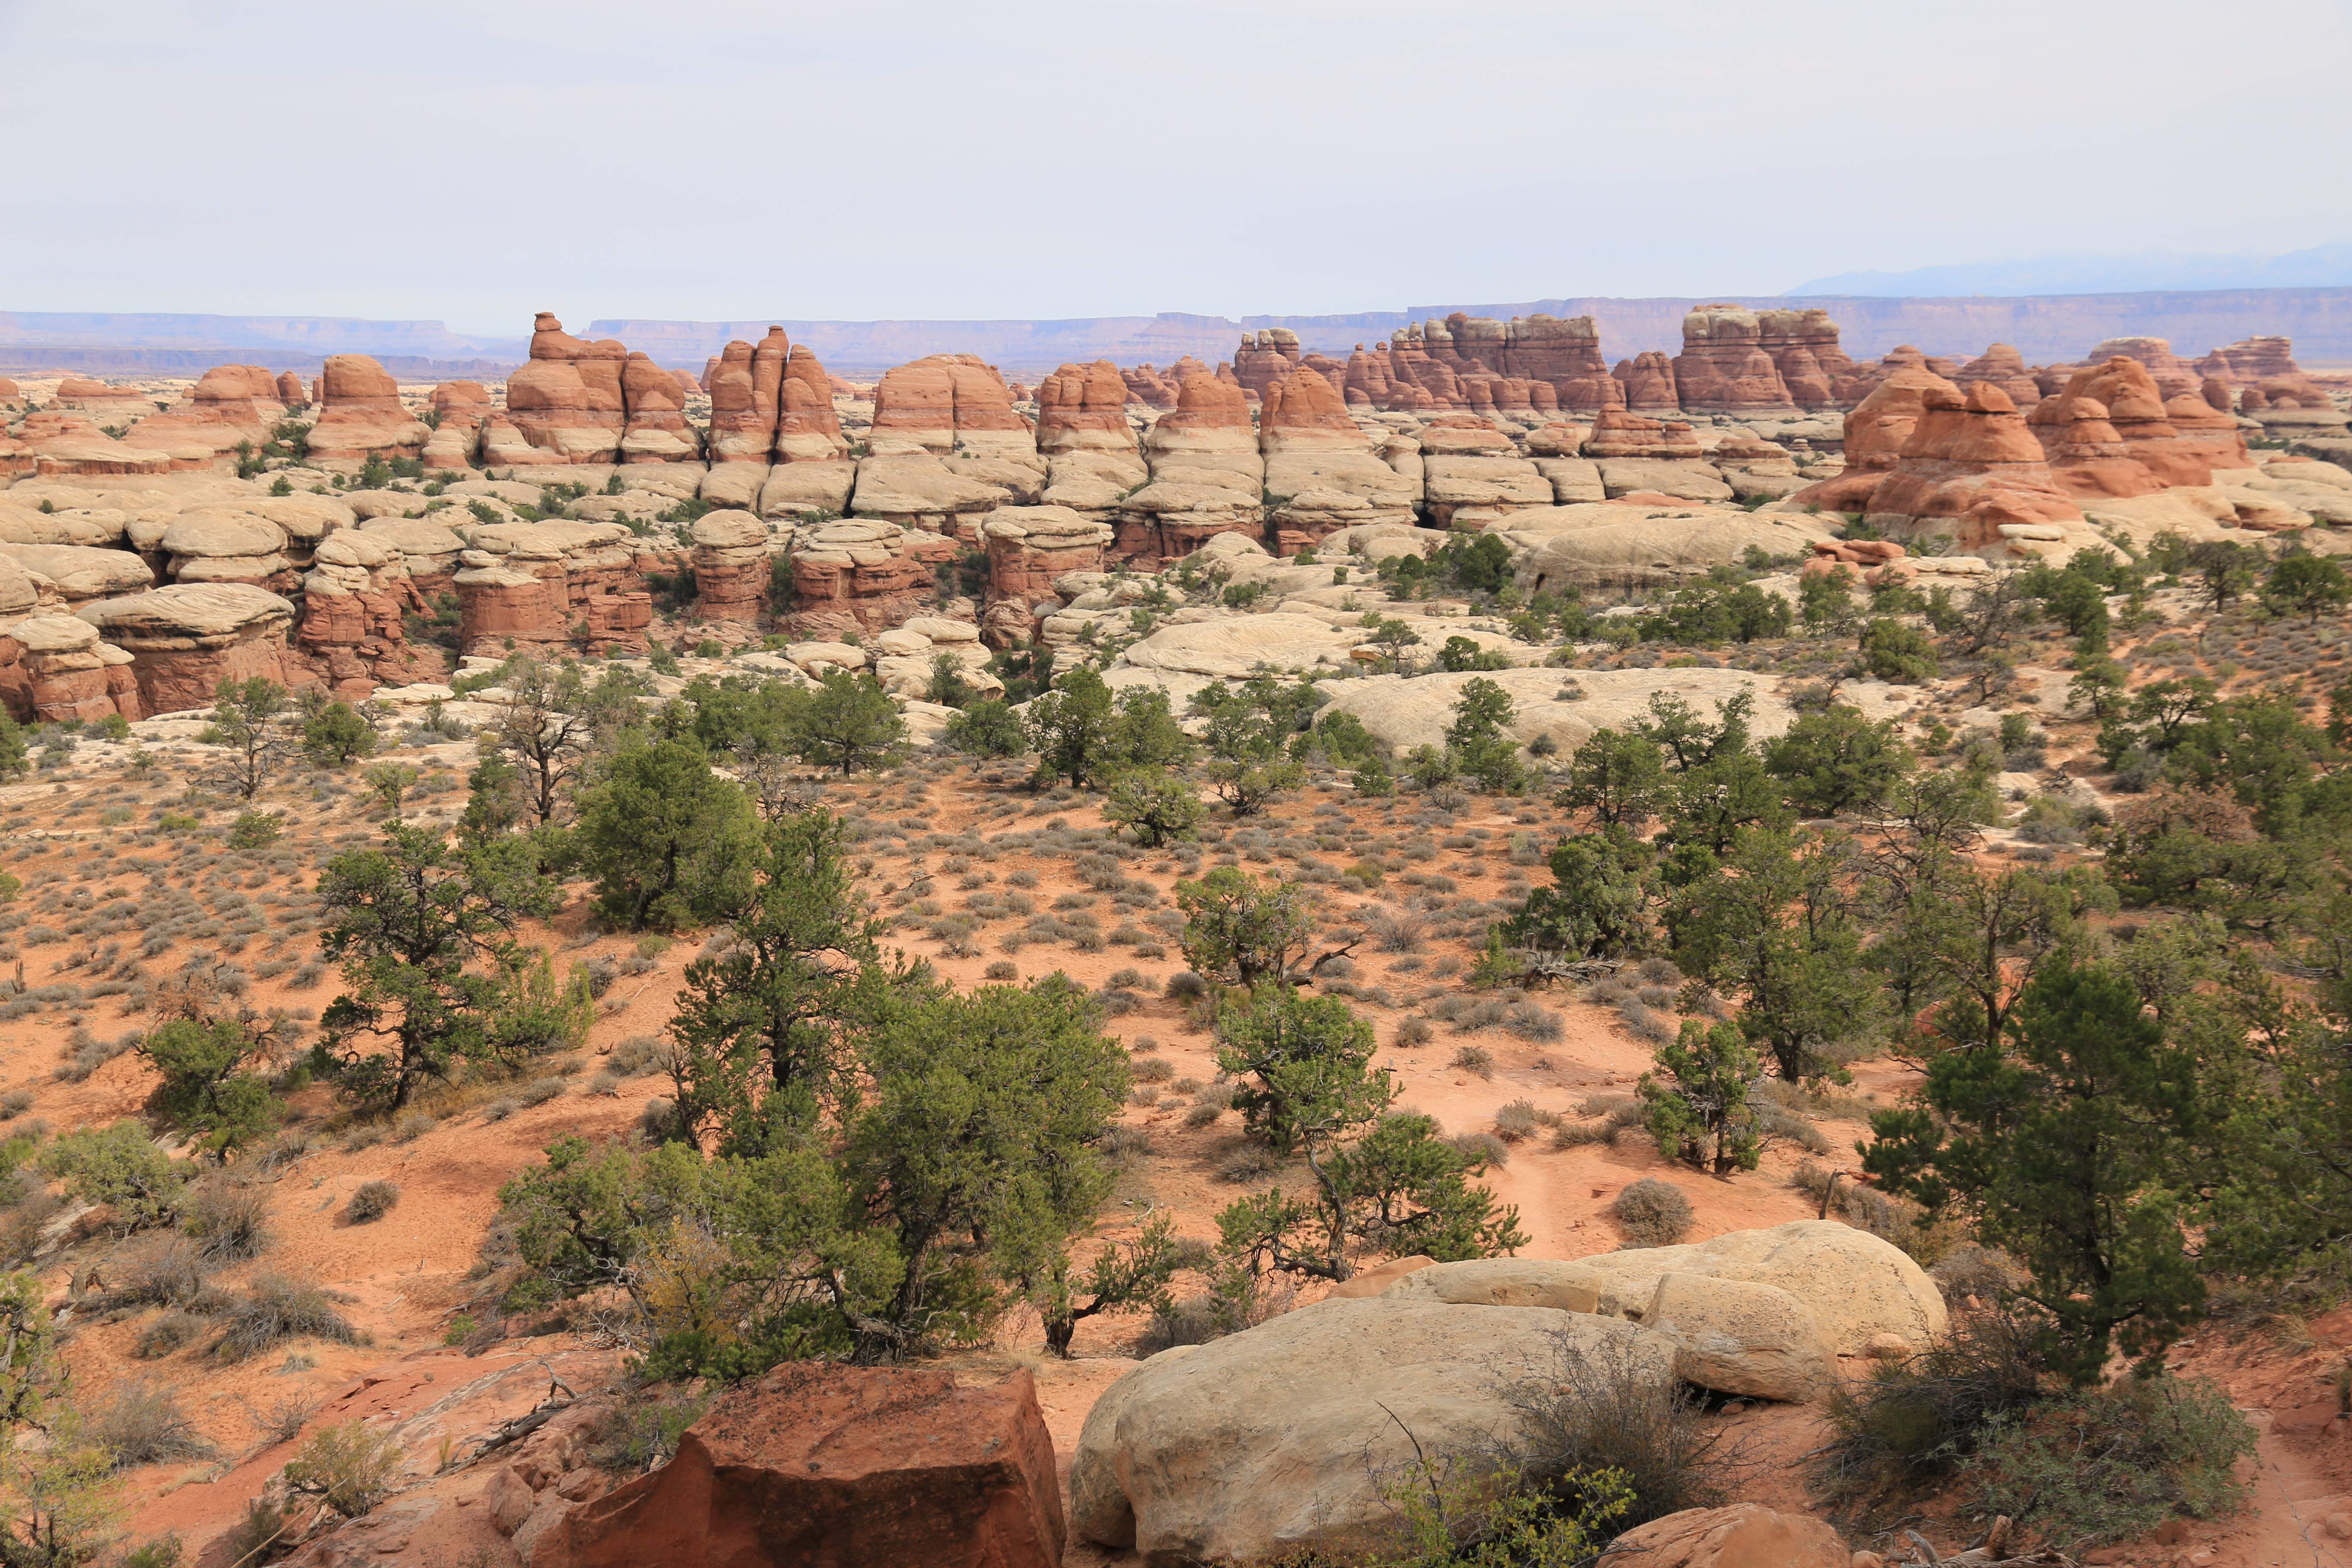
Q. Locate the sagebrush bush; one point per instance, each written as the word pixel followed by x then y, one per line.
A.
pixel 1152 1069
pixel 1516 1120
pixel 638 1055
pixel 1246 1164
pixel 1652 1213
pixel 163 1271
pixel 143 1424
pixel 276 1307
pixel 371 1202
pixel 1475 1059
pixel 1530 1021
pixel 1985 1272
pixel 173 1331
pixel 229 1221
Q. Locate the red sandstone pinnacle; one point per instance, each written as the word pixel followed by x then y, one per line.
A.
pixel 740 431
pixel 2180 443
pixel 2004 367
pixel 770 355
pixel 1971 465
pixel 569 398
pixel 360 412
pixel 1211 415
pixel 461 400
pixel 1267 358
pixel 1876 430
pixel 289 389
pixel 1723 367
pixel 1306 413
pixel 2171 374
pixel 657 431
pixel 1084 407
pixel 807 428
pixel 1648 379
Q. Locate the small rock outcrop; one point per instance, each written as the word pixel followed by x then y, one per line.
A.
pixel 230 405
pixel 1030 546
pixel 731 567
pixel 1648 379
pixel 460 409
pixel 355 599
pixel 185 639
pixel 54 668
pixel 550 583
pixel 861 575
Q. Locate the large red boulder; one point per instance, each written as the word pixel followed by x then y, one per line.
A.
pixel 848 1466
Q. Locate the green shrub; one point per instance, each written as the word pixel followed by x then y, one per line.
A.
pixel 119 1168
pixel 337 735
pixel 348 1468
pixel 2102 1465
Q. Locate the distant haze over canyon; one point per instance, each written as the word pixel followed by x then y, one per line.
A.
pixel 2043 327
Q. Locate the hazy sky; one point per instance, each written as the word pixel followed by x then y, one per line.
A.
pixel 1030 158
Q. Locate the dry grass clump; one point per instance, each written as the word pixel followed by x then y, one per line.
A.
pixel 1652 1213
pixel 1517 1121
pixel 1604 1116
pixel 1606 1406
pixel 1483 1147
pixel 1475 1059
